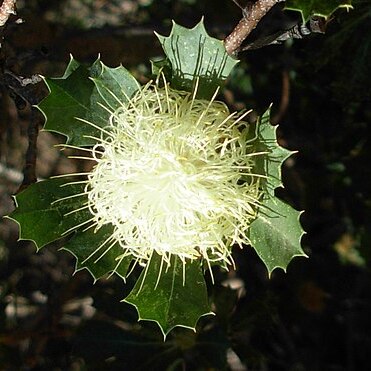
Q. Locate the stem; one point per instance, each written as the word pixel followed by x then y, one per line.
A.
pixel 29 169
pixel 251 17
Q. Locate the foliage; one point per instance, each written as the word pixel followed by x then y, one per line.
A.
pixel 317 7
pixel 192 53
pixel 51 319
pixel 85 104
pixel 78 95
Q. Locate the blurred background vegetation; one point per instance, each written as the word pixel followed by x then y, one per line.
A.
pixel 314 317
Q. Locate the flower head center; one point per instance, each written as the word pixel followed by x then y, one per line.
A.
pixel 175 177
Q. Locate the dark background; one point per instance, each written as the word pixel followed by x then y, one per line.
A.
pixel 314 317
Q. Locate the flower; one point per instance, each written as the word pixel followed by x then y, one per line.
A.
pixel 174 175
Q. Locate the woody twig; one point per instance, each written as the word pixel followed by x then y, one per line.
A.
pixel 252 14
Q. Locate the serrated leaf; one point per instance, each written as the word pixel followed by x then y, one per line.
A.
pixel 317 7
pixel 270 164
pixel 98 258
pixel 80 94
pixel 69 98
pixel 115 85
pixel 160 295
pixel 43 220
pixel 276 233
pixel 193 53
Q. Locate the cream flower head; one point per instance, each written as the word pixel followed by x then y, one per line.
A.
pixel 174 174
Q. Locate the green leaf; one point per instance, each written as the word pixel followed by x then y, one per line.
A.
pixel 160 294
pixel 69 98
pixel 115 85
pixel 317 7
pixel 276 233
pixel 80 94
pixel 192 54
pixel 87 246
pixel 270 164
pixel 43 220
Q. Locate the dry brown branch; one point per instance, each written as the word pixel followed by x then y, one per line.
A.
pixel 251 17
pixel 29 169
pixel 7 8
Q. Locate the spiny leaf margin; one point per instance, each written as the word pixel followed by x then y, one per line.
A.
pixel 270 164
pixel 193 54
pixel 320 8
pixel 276 233
pixel 97 89
pixel 80 94
pixel 83 245
pixel 161 288
pixel 40 218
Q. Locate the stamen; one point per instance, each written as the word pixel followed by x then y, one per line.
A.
pixel 77 210
pixel 68 175
pixel 97 249
pixel 68 197
pixel 76 227
pixel 105 252
pixel 81 158
pixel 74 147
pixel 95 126
pixel 208 106
pixel 174 175
pixel 159 273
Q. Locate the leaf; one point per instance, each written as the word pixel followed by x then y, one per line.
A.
pixel 193 53
pixel 276 233
pixel 80 94
pixel 99 260
pixel 317 7
pixel 41 219
pixel 69 98
pixel 115 85
pixel 160 295
pixel 270 164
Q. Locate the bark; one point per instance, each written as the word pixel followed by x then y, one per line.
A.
pixel 251 17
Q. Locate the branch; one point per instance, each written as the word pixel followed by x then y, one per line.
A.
pixel 299 31
pixel 29 169
pixel 252 15
pixel 6 9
